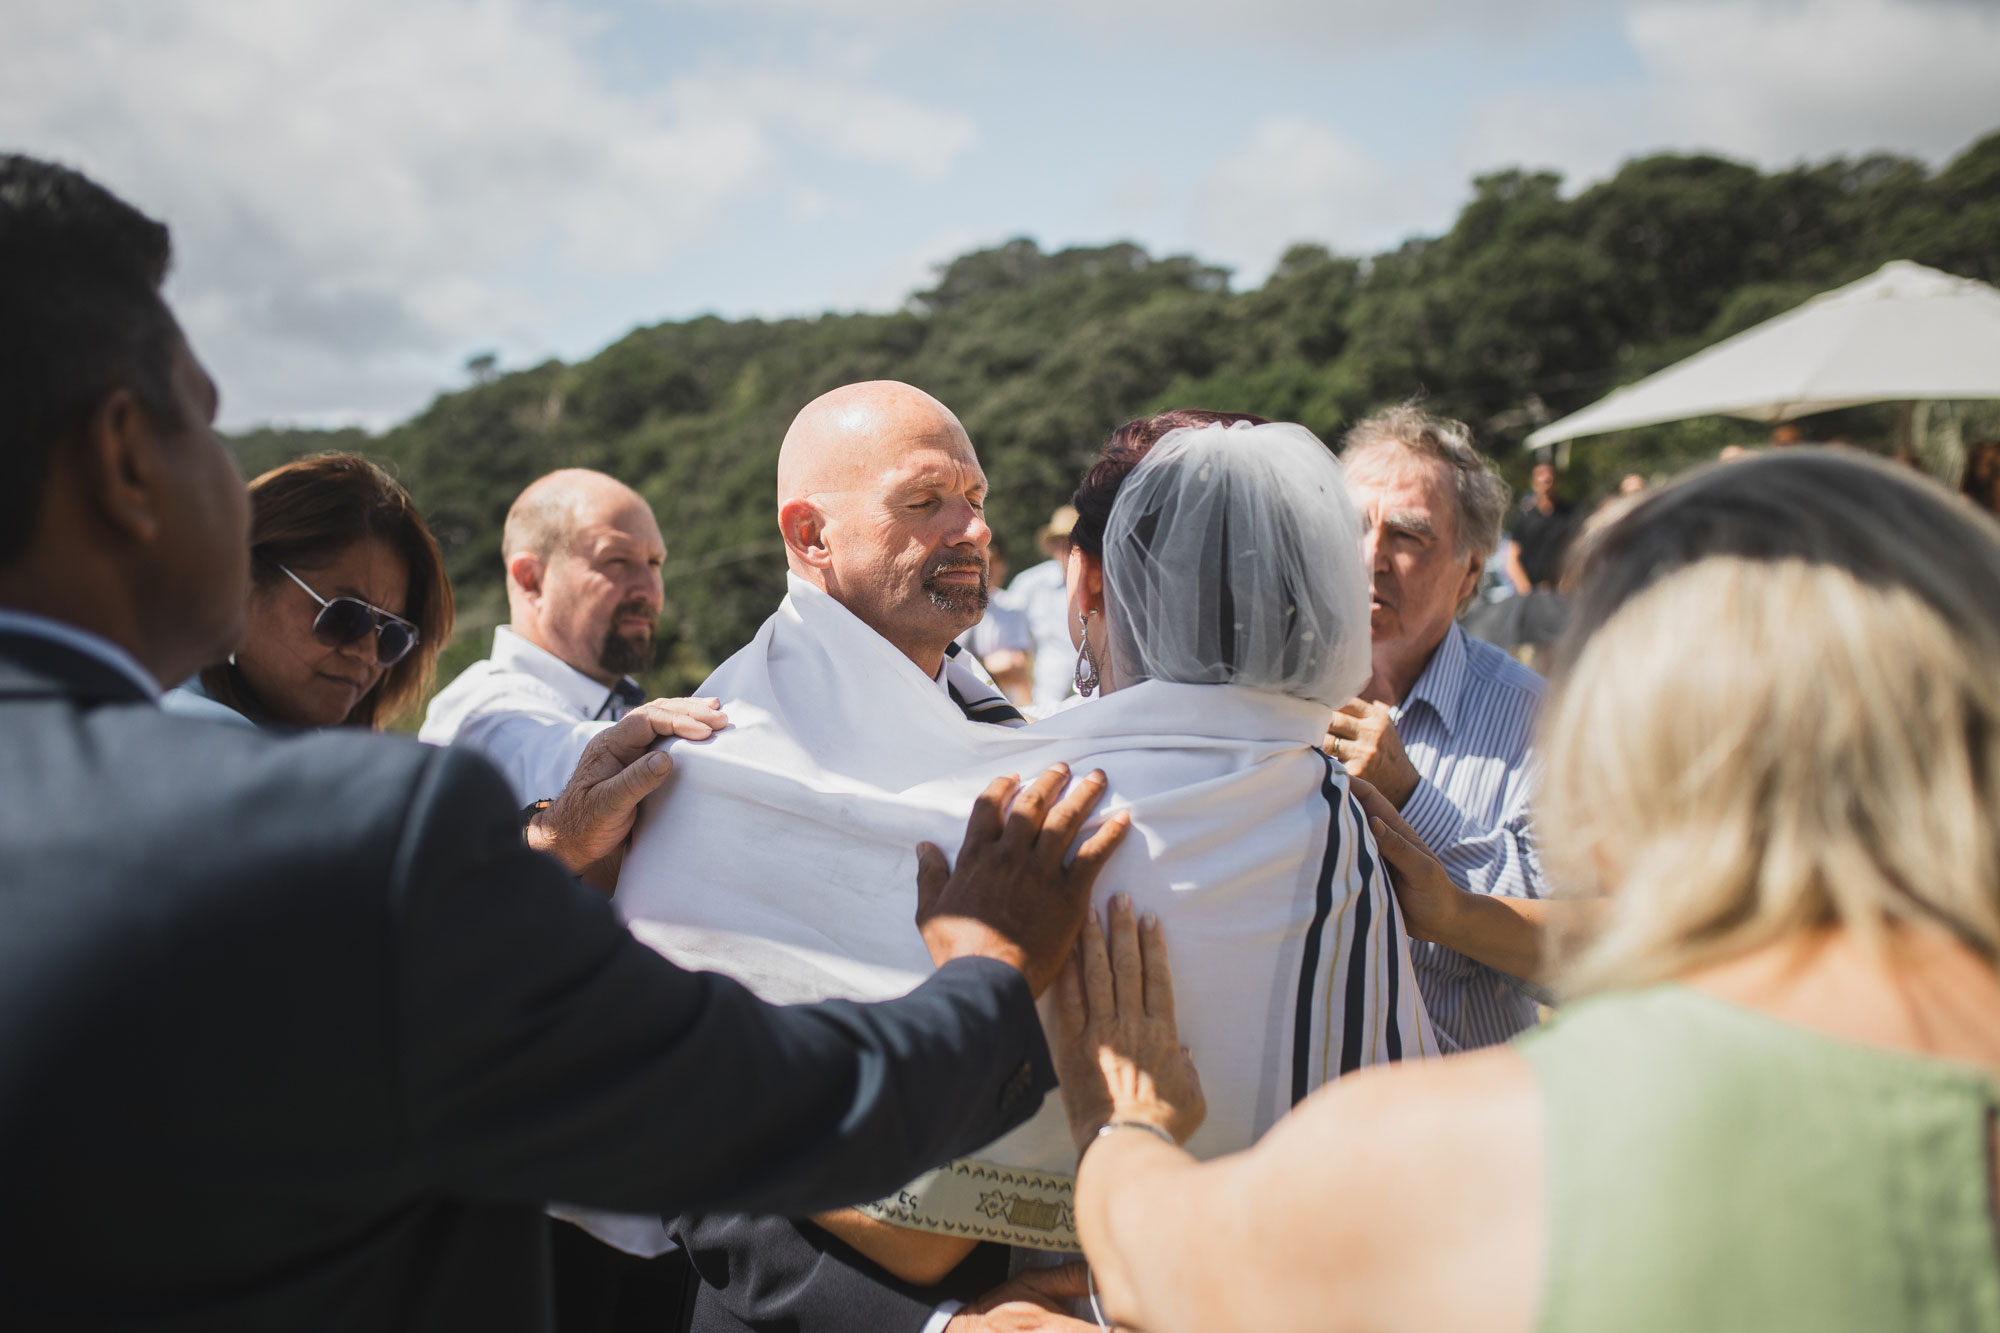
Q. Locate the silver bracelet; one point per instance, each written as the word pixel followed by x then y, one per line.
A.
pixel 1158 1133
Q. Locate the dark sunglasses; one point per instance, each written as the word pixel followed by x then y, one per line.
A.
pixel 345 620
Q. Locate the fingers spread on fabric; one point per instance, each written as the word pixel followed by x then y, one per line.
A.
pixel 1067 817
pixel 1069 1001
pixel 1128 973
pixel 1097 992
pixel 933 873
pixel 1159 977
pixel 1097 848
pixel 987 812
pixel 1028 815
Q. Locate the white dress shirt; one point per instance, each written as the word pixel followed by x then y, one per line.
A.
pixel 1043 592
pixel 525 709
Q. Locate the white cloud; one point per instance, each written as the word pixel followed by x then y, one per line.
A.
pixel 1772 81
pixel 842 117
pixel 1777 81
pixel 362 190
pixel 888 286
pixel 1297 180
pixel 1327 27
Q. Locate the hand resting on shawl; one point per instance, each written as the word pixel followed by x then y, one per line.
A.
pixel 1518 936
pixel 1009 897
pixel 587 826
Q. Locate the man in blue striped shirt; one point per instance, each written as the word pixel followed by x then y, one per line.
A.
pixel 1444 729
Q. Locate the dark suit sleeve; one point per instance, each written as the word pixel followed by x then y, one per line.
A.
pixel 546 1054
pixel 773 1273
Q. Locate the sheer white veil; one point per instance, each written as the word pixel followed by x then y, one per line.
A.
pixel 1233 556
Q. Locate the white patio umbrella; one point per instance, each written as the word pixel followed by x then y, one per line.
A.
pixel 1904 333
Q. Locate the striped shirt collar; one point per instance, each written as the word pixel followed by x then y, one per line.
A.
pixel 1441 687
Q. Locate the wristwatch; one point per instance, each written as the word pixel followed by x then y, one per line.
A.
pixel 530 810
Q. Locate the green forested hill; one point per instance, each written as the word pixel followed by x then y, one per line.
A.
pixel 1532 305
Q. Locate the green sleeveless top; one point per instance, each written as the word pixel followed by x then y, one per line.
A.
pixel 1711 1168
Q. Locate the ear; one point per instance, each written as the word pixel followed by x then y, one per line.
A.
pixel 524 571
pixel 803 527
pixel 1085 576
pixel 1470 583
pixel 128 474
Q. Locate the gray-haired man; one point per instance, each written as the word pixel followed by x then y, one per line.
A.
pixel 1444 729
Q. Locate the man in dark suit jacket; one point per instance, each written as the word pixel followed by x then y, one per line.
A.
pixel 295 1033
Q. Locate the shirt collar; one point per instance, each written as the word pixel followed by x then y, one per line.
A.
pixel 1442 684
pixel 513 652
pixel 95 646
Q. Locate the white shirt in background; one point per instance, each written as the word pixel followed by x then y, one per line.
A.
pixel 1043 593
pixel 525 709
pixel 1003 629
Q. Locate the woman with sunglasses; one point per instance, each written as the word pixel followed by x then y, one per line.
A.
pixel 349 603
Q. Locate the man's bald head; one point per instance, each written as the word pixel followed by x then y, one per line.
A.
pixel 545 517
pixel 841 440
pixel 881 503
pixel 583 555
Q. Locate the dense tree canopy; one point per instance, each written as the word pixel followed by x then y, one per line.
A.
pixel 1532 305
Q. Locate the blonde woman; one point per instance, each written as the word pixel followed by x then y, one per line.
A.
pixel 1770 1103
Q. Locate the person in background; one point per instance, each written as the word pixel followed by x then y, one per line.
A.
pixel 1540 528
pixel 1444 729
pixel 1041 592
pixel 583 555
pixel 1980 482
pixel 1002 641
pixel 1772 1103
pixel 1631 483
pixel 349 603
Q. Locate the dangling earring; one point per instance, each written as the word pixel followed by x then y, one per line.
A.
pixel 1086 661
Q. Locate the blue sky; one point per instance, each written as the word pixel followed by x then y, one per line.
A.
pixel 365 192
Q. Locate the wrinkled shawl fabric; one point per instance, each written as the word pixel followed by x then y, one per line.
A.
pixel 782 852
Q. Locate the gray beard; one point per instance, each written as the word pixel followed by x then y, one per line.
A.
pixel 969 604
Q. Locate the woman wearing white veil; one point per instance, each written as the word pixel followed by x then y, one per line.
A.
pixel 1226 608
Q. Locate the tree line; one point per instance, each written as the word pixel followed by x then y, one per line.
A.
pixel 1532 305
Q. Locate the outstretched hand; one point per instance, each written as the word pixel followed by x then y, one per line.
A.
pixel 587 826
pixel 1117 1052
pixel 1009 896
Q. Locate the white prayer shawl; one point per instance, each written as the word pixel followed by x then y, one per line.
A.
pixel 782 852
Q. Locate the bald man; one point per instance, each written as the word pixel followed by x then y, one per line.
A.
pixel 881 504
pixel 583 555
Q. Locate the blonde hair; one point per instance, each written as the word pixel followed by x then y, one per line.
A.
pixel 1780 711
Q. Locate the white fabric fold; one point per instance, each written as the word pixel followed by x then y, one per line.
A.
pixel 782 852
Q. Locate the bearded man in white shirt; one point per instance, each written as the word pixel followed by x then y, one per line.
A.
pixel 583 555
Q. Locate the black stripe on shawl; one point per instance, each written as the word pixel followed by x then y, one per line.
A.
pixel 1309 964
pixel 1354 1016
pixel 995 709
pixel 1394 1035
